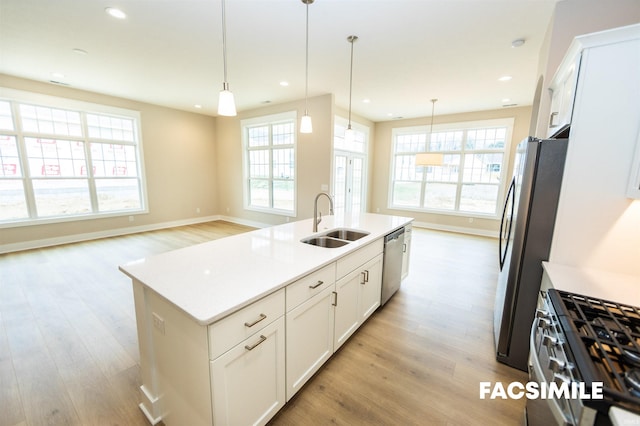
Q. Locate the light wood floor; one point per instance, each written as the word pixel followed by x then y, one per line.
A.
pixel 69 356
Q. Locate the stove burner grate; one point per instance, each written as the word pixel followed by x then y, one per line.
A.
pixel 606 346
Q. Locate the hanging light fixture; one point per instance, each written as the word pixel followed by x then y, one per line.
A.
pixel 305 121
pixel 226 102
pixel 430 158
pixel 348 134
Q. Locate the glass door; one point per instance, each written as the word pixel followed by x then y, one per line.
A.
pixel 349 169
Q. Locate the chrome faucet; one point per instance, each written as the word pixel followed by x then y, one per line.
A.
pixel 316 219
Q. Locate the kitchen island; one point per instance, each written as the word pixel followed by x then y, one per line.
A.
pixel 212 318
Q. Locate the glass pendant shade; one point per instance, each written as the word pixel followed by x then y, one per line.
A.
pixel 305 124
pixel 429 159
pixel 226 103
pixel 349 135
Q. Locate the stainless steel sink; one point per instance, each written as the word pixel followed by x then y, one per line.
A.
pixel 335 237
pixel 325 242
pixel 346 234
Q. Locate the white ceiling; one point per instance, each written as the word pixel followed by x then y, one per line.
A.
pixel 169 52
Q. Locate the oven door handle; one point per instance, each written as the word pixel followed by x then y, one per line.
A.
pixel 536 375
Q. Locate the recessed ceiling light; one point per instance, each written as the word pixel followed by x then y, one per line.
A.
pixel 284 83
pixel 80 51
pixel 57 75
pixel 366 101
pixel 517 42
pixel 505 100
pixel 115 12
pixel 390 114
pixel 198 106
pixel 505 78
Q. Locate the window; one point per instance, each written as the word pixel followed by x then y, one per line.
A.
pixel 59 161
pixel 269 163
pixel 470 178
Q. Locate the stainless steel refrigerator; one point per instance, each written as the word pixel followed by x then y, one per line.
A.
pixel 526 230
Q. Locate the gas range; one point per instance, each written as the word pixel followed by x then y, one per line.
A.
pixel 581 339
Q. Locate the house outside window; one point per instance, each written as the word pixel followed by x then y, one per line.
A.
pixel 270 163
pixel 470 180
pixel 67 160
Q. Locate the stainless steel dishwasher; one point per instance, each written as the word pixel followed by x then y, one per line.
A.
pixel 392 264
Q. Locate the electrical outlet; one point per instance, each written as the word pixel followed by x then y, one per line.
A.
pixel 197 209
pixel 130 218
pixel 158 323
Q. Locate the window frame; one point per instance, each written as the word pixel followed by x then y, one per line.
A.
pixel 465 126
pixel 269 120
pixel 16 98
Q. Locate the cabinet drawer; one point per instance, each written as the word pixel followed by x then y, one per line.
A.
pixel 310 285
pixel 230 331
pixel 358 258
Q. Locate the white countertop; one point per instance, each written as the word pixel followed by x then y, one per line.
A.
pixel 596 283
pixel 211 280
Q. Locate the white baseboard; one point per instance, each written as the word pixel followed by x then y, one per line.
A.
pixel 75 238
pixel 458 229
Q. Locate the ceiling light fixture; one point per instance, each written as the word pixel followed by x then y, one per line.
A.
pixel 517 42
pixel 348 134
pixel 305 122
pixel 115 12
pixel 505 78
pixel 430 158
pixel 226 102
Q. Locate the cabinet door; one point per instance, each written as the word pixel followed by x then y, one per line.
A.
pixel 248 381
pixel 406 252
pixel 309 338
pixel 370 288
pixel 346 311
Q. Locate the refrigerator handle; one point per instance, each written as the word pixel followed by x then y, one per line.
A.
pixel 510 194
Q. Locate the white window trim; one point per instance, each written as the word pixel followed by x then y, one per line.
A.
pixel 20 96
pixel 269 119
pixel 508 122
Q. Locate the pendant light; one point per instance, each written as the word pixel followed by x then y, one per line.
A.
pixel 305 121
pixel 226 102
pixel 349 134
pixel 430 158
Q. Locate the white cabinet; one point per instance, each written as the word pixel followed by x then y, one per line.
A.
pixel 596 224
pixel 358 296
pixel 358 289
pixel 406 251
pixel 347 318
pixel 323 313
pixel 563 90
pixel 309 325
pixel 248 381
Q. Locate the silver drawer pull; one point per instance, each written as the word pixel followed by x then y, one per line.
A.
pixel 318 284
pixel 365 276
pixel 252 347
pixel 262 316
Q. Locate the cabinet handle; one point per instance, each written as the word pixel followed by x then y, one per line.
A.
pixel 262 316
pixel 404 248
pixel 318 284
pixel 552 118
pixel 335 300
pixel 365 276
pixel 252 347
